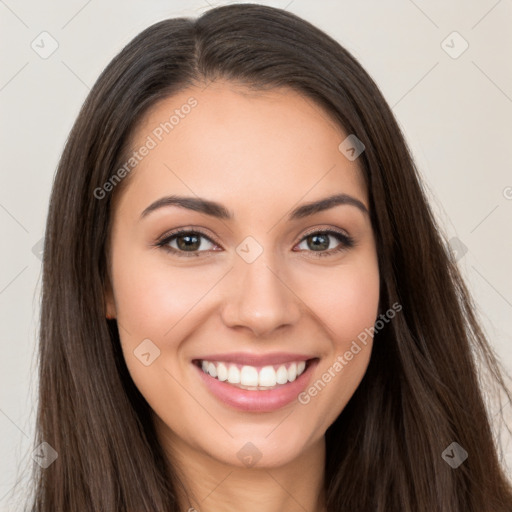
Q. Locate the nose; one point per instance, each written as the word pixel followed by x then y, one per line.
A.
pixel 259 299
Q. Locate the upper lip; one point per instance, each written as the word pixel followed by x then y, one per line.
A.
pixel 256 359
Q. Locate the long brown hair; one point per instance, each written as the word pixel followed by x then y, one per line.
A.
pixel 423 388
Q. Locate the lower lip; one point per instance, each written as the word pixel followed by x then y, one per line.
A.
pixel 258 401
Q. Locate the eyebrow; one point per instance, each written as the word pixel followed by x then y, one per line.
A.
pixel 219 211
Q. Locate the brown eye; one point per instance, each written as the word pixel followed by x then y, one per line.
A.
pixel 319 242
pixel 185 242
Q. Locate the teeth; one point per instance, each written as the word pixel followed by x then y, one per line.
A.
pixel 212 369
pixel 282 375
pixel 249 377
pixel 222 372
pixel 267 377
pixel 233 375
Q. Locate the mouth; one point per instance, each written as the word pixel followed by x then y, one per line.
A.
pixel 254 378
pixel 256 388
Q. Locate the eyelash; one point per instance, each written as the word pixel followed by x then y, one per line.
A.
pixel 347 242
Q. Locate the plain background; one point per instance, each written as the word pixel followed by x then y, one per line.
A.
pixel 455 113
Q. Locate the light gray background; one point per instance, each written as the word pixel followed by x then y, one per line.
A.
pixel 455 113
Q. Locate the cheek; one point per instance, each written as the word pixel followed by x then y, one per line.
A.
pixel 152 298
pixel 352 304
pixel 348 305
pixel 345 299
pixel 156 303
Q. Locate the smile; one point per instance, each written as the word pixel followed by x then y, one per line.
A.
pixel 255 388
pixel 252 377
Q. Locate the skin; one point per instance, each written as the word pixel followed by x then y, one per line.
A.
pixel 261 155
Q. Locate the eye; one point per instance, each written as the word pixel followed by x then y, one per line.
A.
pixel 187 242
pixel 318 241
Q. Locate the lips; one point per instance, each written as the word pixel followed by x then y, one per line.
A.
pixel 256 398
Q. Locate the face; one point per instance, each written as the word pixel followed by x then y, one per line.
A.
pixel 256 282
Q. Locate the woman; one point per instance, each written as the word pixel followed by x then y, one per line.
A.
pixel 247 304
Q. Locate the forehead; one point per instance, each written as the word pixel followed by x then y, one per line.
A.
pixel 241 147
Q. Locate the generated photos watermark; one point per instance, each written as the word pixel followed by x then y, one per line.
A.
pixel 343 359
pixel 151 142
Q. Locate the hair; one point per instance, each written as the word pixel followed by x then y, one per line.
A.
pixel 423 388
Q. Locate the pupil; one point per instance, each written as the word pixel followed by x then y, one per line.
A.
pixel 321 245
pixel 188 244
